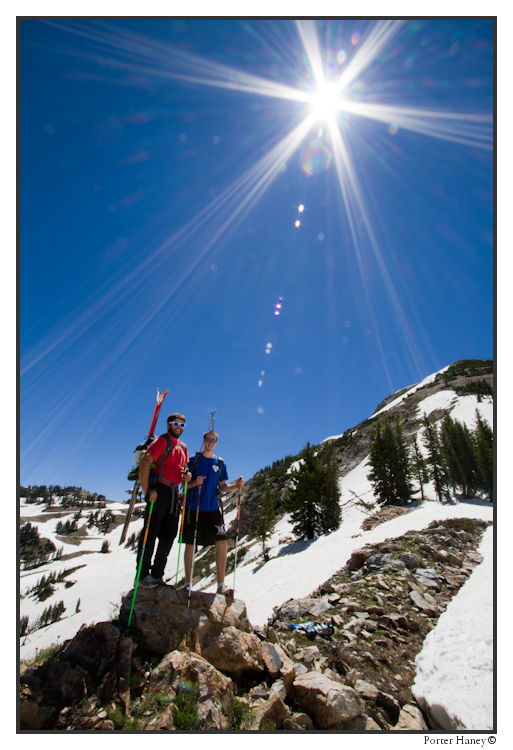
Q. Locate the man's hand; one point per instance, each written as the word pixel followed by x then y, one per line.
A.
pixel 240 483
pixel 186 476
pixel 152 496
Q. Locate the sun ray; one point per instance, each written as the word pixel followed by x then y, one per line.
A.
pixel 354 202
pixel 149 57
pixel 379 36
pixel 467 129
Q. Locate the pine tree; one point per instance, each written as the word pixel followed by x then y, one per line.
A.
pixel 391 468
pixel 436 461
pixel 402 468
pixel 458 451
pixel 330 495
pixel 419 466
pixel 483 440
pixel 303 501
pixel 265 520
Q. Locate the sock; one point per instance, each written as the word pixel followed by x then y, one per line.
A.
pixel 187 585
pixel 220 585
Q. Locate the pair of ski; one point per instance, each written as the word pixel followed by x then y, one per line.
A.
pixel 135 491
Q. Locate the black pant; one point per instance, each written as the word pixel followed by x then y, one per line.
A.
pixel 165 518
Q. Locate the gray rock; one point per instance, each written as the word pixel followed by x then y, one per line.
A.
pixel 328 702
pixel 428 577
pixel 421 603
pixel 366 689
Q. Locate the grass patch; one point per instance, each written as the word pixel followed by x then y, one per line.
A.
pixel 241 713
pixel 186 705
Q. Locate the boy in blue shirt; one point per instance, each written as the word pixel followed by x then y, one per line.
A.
pixel 211 528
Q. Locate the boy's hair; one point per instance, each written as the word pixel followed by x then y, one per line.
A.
pixel 211 432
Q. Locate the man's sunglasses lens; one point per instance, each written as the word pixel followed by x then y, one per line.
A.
pixel 178 424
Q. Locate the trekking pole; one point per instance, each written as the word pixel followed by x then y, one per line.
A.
pixel 236 542
pixel 194 545
pixel 181 532
pixel 140 564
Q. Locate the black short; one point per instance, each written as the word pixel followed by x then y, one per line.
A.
pixel 210 528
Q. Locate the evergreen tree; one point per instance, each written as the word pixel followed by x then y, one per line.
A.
pixel 330 496
pixel 436 462
pixel 401 468
pixel 391 469
pixel 265 520
pixel 379 474
pixel 458 451
pixel 419 466
pixel 483 440
pixel 303 500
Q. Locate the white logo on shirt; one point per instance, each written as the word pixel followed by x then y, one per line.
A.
pixel 215 468
pixel 221 531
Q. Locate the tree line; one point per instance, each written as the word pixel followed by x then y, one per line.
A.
pixel 457 459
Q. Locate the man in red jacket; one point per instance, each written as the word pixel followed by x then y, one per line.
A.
pixel 170 457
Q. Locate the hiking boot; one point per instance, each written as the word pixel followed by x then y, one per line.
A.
pixel 161 582
pixel 223 590
pixel 149 582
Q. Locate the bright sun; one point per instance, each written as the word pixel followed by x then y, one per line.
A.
pixel 325 101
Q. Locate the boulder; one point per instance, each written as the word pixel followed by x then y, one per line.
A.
pixel 232 650
pixel 328 702
pixel 270 715
pixel 358 559
pixel 366 689
pixel 411 718
pixel 181 670
pixel 97 649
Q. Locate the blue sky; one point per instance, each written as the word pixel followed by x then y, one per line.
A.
pixel 179 179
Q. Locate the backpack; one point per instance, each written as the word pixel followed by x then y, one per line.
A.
pixel 220 463
pixel 141 450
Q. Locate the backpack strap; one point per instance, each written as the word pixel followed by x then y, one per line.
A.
pixel 166 453
pixel 220 463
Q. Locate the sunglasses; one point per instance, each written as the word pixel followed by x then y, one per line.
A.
pixel 176 424
pixel 210 440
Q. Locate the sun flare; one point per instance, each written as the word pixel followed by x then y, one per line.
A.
pixel 325 101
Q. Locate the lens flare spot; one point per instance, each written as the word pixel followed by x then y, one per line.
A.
pixel 301 208
pixel 355 39
pixel 393 129
pixel 341 56
pixel 315 157
pixel 260 410
pixel 298 370
pixel 260 382
pixel 320 236
pixel 297 224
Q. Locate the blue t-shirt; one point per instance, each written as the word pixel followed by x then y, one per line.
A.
pixel 208 468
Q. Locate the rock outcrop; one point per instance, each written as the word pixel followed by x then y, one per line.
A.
pixel 199 664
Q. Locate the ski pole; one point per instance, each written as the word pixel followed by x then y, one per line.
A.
pixel 236 542
pixel 181 532
pixel 140 564
pixel 194 545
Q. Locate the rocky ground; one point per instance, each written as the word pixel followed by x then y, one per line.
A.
pixel 203 666
pixel 382 605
